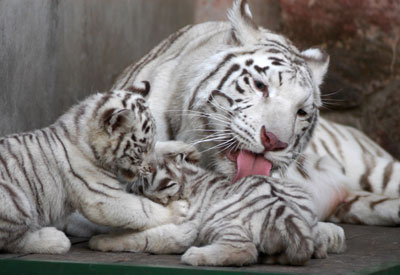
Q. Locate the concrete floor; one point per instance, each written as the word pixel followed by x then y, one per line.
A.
pixel 369 248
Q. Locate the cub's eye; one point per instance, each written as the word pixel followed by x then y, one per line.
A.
pixel 260 86
pixel 171 184
pixel 301 113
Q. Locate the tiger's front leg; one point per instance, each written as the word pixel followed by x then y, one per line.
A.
pixel 164 239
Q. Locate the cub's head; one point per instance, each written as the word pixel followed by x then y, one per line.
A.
pixel 257 99
pixel 125 136
pixel 171 175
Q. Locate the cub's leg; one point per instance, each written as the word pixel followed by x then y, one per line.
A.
pixel 231 246
pixel 19 230
pixel 330 239
pixel 164 239
pixel 288 240
pixel 362 207
pixel 222 253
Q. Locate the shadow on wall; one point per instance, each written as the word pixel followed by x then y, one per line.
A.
pixel 54 53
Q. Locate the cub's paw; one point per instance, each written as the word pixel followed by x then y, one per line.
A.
pixel 194 256
pixel 46 240
pixel 333 237
pixel 179 210
pixel 177 148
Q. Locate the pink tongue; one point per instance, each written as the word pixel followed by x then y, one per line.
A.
pixel 251 164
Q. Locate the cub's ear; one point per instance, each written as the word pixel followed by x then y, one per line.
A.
pixel 143 91
pixel 318 62
pixel 118 120
pixel 244 30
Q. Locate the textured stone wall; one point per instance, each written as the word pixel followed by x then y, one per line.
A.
pixel 54 53
pixel 363 39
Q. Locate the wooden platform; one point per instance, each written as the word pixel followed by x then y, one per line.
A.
pixel 370 250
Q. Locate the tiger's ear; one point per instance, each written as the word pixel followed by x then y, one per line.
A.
pixel 318 62
pixel 118 121
pixel 244 30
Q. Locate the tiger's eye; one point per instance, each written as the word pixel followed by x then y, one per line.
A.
pixel 260 86
pixel 301 113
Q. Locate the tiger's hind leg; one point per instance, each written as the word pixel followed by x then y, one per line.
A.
pixel 164 239
pixel 19 230
pixel 368 208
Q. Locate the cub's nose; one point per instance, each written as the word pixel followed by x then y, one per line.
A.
pixel 271 142
pixel 147 169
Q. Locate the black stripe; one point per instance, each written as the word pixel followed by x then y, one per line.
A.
pixel 387 175
pixel 72 170
pixel 211 74
pixel 126 98
pixel 32 161
pixel 13 197
pixel 100 103
pixel 233 68
pixel 32 186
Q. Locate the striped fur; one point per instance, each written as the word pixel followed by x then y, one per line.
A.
pixel 77 164
pixel 229 224
pixel 207 93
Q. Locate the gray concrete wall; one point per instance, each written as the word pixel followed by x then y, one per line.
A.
pixel 53 53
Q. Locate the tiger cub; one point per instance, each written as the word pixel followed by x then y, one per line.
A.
pixel 77 164
pixel 229 223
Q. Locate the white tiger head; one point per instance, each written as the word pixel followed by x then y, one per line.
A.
pixel 258 99
pixel 125 139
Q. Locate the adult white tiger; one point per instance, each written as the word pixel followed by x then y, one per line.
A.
pixel 249 100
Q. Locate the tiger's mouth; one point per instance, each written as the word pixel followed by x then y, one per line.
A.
pixel 249 163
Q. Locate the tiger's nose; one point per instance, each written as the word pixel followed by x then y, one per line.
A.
pixel 271 142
